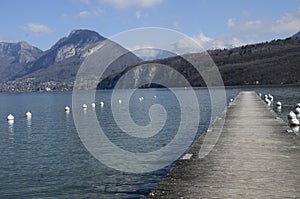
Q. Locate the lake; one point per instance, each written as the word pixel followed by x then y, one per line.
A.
pixel 43 157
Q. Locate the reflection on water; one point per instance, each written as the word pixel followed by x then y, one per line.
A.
pixel 279 110
pixel 68 122
pixel 29 122
pixel 10 126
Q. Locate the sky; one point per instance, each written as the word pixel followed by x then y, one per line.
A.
pixel 213 23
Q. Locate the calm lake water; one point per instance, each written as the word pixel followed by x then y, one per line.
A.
pixel 43 157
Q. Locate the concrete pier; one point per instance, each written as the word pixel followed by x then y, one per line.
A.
pixel 255 157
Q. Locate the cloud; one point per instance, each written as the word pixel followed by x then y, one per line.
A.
pixel 132 3
pixel 84 13
pixel 38 28
pixel 287 24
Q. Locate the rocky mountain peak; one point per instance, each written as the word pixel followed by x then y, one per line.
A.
pixel 20 52
pixel 24 45
pixel 78 38
pixel 68 51
pixel 76 43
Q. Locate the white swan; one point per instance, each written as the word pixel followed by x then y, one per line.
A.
pixel 84 106
pixel 120 101
pixel 268 101
pixel 291 115
pixel 294 122
pixel 67 109
pixel 297 112
pixel 101 104
pixel 271 98
pixel 10 117
pixel 28 114
pixel 278 104
pixel 93 105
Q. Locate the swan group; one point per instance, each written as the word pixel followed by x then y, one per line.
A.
pixel 293 116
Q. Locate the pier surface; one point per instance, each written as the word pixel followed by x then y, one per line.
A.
pixel 255 157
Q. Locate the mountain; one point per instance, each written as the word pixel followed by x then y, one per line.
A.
pixel 274 62
pixel 15 57
pixel 148 54
pixel 57 67
pixel 27 68
pixel 63 59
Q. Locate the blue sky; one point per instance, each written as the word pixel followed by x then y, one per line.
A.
pixel 214 23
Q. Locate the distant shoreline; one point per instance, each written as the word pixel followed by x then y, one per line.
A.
pixel 204 87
